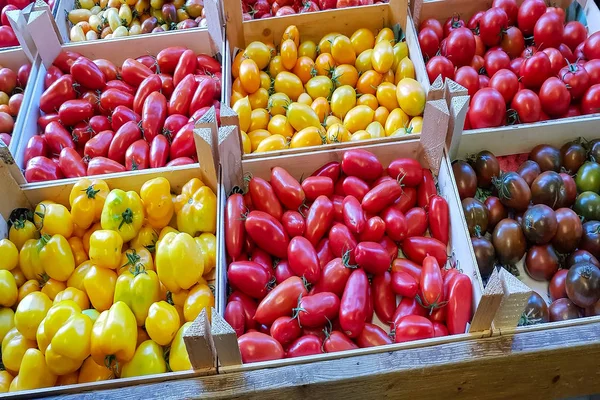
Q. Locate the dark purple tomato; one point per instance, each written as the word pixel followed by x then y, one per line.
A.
pixel 594 310
pixel 583 284
pixel 496 212
pixel 549 189
pixel 476 215
pixel 556 288
pixel 486 167
pixel 590 240
pixel 548 157
pixel 536 311
pixel 509 241
pixel 529 170
pixel 580 256
pixel 569 230
pixel 466 179
pixel 485 255
pixel 563 309
pixel 572 156
pixel 570 194
pixel 541 262
pixel 539 224
pixel 513 191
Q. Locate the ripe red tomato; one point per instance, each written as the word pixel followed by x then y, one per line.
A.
pixel 125 136
pixel 548 30
pixel 487 109
pixel 435 25
pixel 159 152
pixel 287 188
pixel 315 310
pixel 506 82
pixel 477 62
pixel 318 219
pixel 180 100
pixel 331 169
pixel 362 164
pixel 234 315
pixel 111 98
pixel 372 335
pixel 87 74
pixel 591 47
pixel 557 61
pixel 280 301
pixel 574 34
pixel 57 138
pixel 495 60
pixel 593 69
pixel 529 13
pixel 590 103
pixel 256 346
pixel 374 230
pixel 334 276
pixel 431 283
pixel 395 224
pixel 384 298
pixel 136 156
pixel 249 277
pixel 306 345
pixel 341 241
pixel 315 186
pixel 439 218
pixel 429 42
pixel 7 37
pixel 510 7
pixel 41 169
pixel 416 248
pixel 264 198
pixel 154 113
pixel 168 58
pixel 354 216
pixel 58 92
pixel 73 111
pixel 249 305
pixel 352 306
pixel 460 47
pixel 293 223
pixel 110 70
pixel 513 42
pixel 134 72
pixel 102 165
pixel 413 327
pixel 71 163
pixel 52 74
pixel 303 259
pixel 121 115
pixel 515 65
pixel 576 78
pixel 460 303
pixel 267 232
pixel 150 84
pixel 555 97
pixel 535 70
pixel 451 24
pixel 381 196
pixel 439 65
pixel 473 23
pixel 234 225
pixel 36 146
pixel 404 284
pixel 406 170
pixel 372 257
pixel 98 145
pixel 285 330
pixel 491 26
pixel 527 105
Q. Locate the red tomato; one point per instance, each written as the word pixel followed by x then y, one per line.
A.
pixel 515 65
pixel 407 200
pixel 181 161
pixel 264 198
pixel 435 25
pixel 249 277
pixel 495 60
pixel 134 72
pixel 372 257
pixel 356 187
pixel 459 307
pixel 590 103
pixel 548 30
pixel 81 134
pixel 183 144
pixel 513 42
pixel 256 346
pixel 416 248
pixel 381 196
pixel 159 152
pixel 44 120
pixel 593 69
pixel 267 233
pixel 41 169
pixel 390 246
pixel 186 65
pixel 4 16
pixel 439 219
pixel 73 111
pixel 468 78
pixel 282 271
pixel 491 26
pixel 315 186
pixel 373 231
pixel 318 219
pixel 408 306
pixel 451 24
pixel 510 7
pixel 555 97
pixel 332 170
pixel 234 225
pixel 234 315
pixel 136 156
pixel 203 96
pixel 59 92
pixel 405 265
pixel 362 164
pixel 71 164
pixel 354 216
pixel 65 59
pixel 352 307
pixel 110 99
pixel 439 329
pixel 207 64
pixel 125 136
pixel 57 138
pixel 506 82
pixel 426 189
pixel 110 70
pixel 168 58
pixel 154 113
pixel 98 145
pixel 121 115
pixel 293 223
pixel 591 47
pixel 474 20
pixel 372 336
pixel 7 37
pixel 403 284
pixel 529 13
pixel 280 301
pixel 99 123
pixel 384 298
pixel 439 65
pixel 36 146
pixel 487 109
pixel 120 85
pixel 337 341
pixel 52 74
pixel 341 241
pixel 180 101
pixel 574 34
pixel 148 60
pixel 478 62
pixel 557 60
pixel 395 223
pixel 460 47
pixel 315 310
pixel 535 70
pixel 102 165
pixel 287 188
pixel 413 327
pixel 87 74
pixel 303 259
pixel 429 42
pixel 334 276
pixel 431 283
pixel 557 285
pixel 249 305
pixel 324 252
pixel 150 84
pixel 527 106
pixel 416 222
pixel 304 346
pixel 576 78
pixel 173 124
pixel 285 330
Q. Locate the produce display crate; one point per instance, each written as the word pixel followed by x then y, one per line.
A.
pixel 117 50
pixel 444 9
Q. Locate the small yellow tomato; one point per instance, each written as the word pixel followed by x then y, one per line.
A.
pixel 235 96
pixel 396 120
pixel 305 98
pixel 246 145
pixel 368 100
pixel 259 99
pixel 331 120
pixel 411 97
pixel 325 42
pixel 30 313
pixel 389 77
pixel 325 64
pixel 21 231
pixel 342 50
pixel 178 356
pixel 235 64
pixel 5 380
pixel 343 100
pixel 358 118
pixel 376 130
pixel 291 32
pixel 9 293
pixel 301 116
pixel 28 287
pixel 236 86
pixel 337 133
pixel 272 143
pixel 345 74
pixel 279 125
pixel 200 297
pixel 249 75
pixel 416 125
pixel 400 52
pixel 19 276
pixel 381 115
pixel 259 119
pixel 276 66
pixel 406 69
pixel 303 68
pixel 363 61
pixel 257 136
pixel 382 57
pixel 265 80
pixel 362 39
pixel 321 106
pixel 386 95
pixel 319 86
pixel 99 285
pixel 308 48
pixel 244 111
pixel 360 135
pixel 310 136
pixel 259 53
pixel 14 346
pixel 162 322
pixel 9 254
pixel 7 321
pixel 368 82
pixel 289 53
pixel 288 83
pixel 278 103
pixel 88 234
pixel 385 34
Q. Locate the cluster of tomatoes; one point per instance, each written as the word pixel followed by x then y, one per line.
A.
pixel 341 89
pixel 12 86
pixel 105 19
pixel 99 118
pixel 534 213
pixel 255 9
pixel 314 266
pixel 519 63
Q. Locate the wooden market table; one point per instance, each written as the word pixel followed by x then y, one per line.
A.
pixel 551 363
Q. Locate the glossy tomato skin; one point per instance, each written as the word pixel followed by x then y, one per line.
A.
pixel 548 30
pixel 159 151
pixel 36 146
pixel 407 200
pixel 134 72
pixel 264 198
pixel 183 143
pixel 121 115
pixel 460 47
pixel 99 123
pixel 416 222
pixel 59 92
pixel 315 186
pixel 120 85
pixel 267 232
pixel 71 164
pixel 576 78
pixel 527 105
pixel 249 277
pixel 557 285
pixel 168 58
pixel 426 189
pixel 234 315
pixel 102 165
pixel 451 24
pixel 112 98
pixel 249 305
pixel 372 257
pixel 293 223
pixel 287 188
pixel 496 60
pixel 374 230
pixel 468 78
pixel 384 298
pixel 98 145
pixel 439 65
pixel 186 65
pixel 87 74
pixel 332 170
pixel 362 164
pixel 306 345
pixel 372 335
pixel 395 224
pixel 555 97
pixel 592 67
pixel 109 70
pixel 416 248
pixel 529 13
pixel 429 42
pixel 487 109
pixel 256 346
pixel 439 219
pixel 318 219
pixel 356 187
pixel 410 267
pixel 207 64
pixel 491 25
pixel 338 208
pixel 341 241
pixel 124 137
pixel 315 310
pixel 41 169
pixel 337 341
pixel 590 103
pixel 352 307
pixel 52 74
pixel 413 327
pixel 65 59
pixel 535 70
pixel 303 259
pixel 57 138
pixel 381 196
pixel 506 82
pixel 334 276
pixel 431 283
pixel 280 301
pixel 154 113
pixel 459 305
pixel 404 284
pixel 435 25
pixel 324 252
pixel 408 306
pixel 150 84
pixel 285 330
pixel 136 156
pixel 204 95
pixel 354 216
pixel 73 111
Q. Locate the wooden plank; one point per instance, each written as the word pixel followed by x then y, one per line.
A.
pixel 199 344
pixel 435 127
pixel 458 105
pixel 557 363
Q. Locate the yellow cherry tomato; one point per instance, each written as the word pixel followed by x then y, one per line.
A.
pixel 259 99
pixel 246 145
pixel 368 100
pixel 382 57
pixel 259 53
pixel 405 69
pixel 342 50
pixel 9 293
pixel 376 130
pixel 400 52
pixel 325 64
pixel 386 96
pixel 19 276
pixel 237 86
pixel 278 103
pixel 385 34
pixel 389 77
pixel 92 372
pixel 7 321
pixel 99 285
pixel 32 285
pixel 162 322
pixel 235 64
pixel 34 372
pixel 56 257
pixel 243 109
pixel 326 41
pixel 249 75
pixel 178 356
pixel 179 261
pixel 301 116
pixel 310 136
pixel 319 86
pixel 411 97
pixel 5 380
pixel 308 48
pixel 360 135
pixel 114 335
pixel 279 125
pixel 362 39
pixel 272 143
pixel 416 125
pixel 345 74
pixel 288 83
pixel 337 133
pixel 74 294
pixel 276 66
pixel 291 32
pixel 368 82
pixel 265 80
pixel 363 61
pixel 53 219
pixel 321 106
pixel 303 68
pixel 9 254
pixel 156 197
pixel 256 137
pixel 305 98
pixel 358 118
pixel 30 313
pixel 52 287
pixel 105 248
pixel 343 100
pixel 21 231
pixel 396 120
pixel 331 120
pixel 235 96
pixel 200 297
pixel 289 53
pixel 259 119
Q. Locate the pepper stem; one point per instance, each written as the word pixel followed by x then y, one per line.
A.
pixel 90 192
pixel 127 217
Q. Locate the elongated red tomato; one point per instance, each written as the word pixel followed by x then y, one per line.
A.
pixel 109 69
pixel 439 219
pixel 362 164
pixel 381 196
pixel 315 186
pixel 183 143
pixel 306 345
pixel 262 258
pixel 460 303
pixel 372 336
pixel 256 346
pixel 71 164
pixel 168 58
pixel 159 151
pixel 408 306
pixel 354 186
pixel 303 259
pixel 181 161
pixel 352 307
pixel 407 171
pixel 134 72
pixel 332 170
pixel 41 169
pixel 407 200
pixel 374 230
pixel 57 138
pixel 390 246
pixel 249 278
pixel 44 120
pixel 249 305
pixel 315 310
pixel 342 241
pixel 174 123
pixel 334 277
pixel 338 208
pixel 285 330
pixel 112 98
pixel 293 223
pixel 120 85
pixel 426 190
pixel 403 264
pixel 432 285
pixel 73 111
pixel 150 84
pixel 36 146
pixel 204 95
pixel 59 92
pixel 98 145
pixel 384 298
pixel 122 114
pixel 318 219
pixel 337 341
pixel 395 223
pixel 65 59
pixel 373 257
pixel 154 114
pixel 267 233
pixel 280 301
pixel 439 329
pixel 324 253
pixel 354 216
pixel 185 66
pixel 264 198
pixel 207 64
pixel 234 315
pixel 99 123
pixel 282 271
pixel 103 165
pixel 234 225
pixel 125 136
pixel 287 188
pixel 404 284
pixel 416 222
pixel 136 156
pixel 416 248
pixel 413 327
pixel 87 74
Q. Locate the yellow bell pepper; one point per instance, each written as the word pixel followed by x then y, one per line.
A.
pixel 162 322
pixel 138 288
pixel 147 360
pixel 56 257
pixel 199 298
pixel 78 233
pixel 99 285
pixel 87 199
pixel 7 321
pixel 105 248
pixel 53 219
pixel 30 313
pixel 9 293
pixel 163 233
pixel 21 231
pixel 114 335
pixel 156 195
pixel 68 379
pixel 196 208
pixel 79 253
pixel 88 234
pixel 64 337
pixel 179 360
pixel 92 372
pixel 14 385
pixel 5 380
pixel 9 254
pixel 77 277
pixel 92 313
pixel 51 287
pixel 208 244
pixel 29 259
pixel 146 237
pixel 177 299
pixel 28 287
pixel 179 261
pixel 74 294
pixel 134 257
pixel 14 346
pixel 123 212
pixel 34 372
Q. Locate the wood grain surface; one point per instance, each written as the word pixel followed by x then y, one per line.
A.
pixel 553 363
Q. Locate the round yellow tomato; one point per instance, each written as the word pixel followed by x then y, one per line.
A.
pixel 235 65
pixel 272 143
pixel 386 95
pixel 376 130
pixel 308 49
pixel 416 125
pixel 21 231
pixel 8 254
pixel 330 120
pixel 368 82
pixel 411 97
pixel 257 136
pixel 325 64
pixel 265 80
pixel 291 32
pixel 360 135
pixel 279 125
pixel 400 52
pixel 345 74
pixel 363 61
pixel 244 111
pixel 389 77
pixel 385 34
pixel 259 119
pixel 289 53
pixel 259 99
pixel 342 50
pixel 321 107
pixel 406 69
pixel 362 39
pixel 325 42
pixel 7 317
pixel 290 84
pixel 358 118
pixel 319 86
pixel 246 145
pixel 235 96
pixel 303 68
pixel 276 66
pixel 249 75
pixel 381 115
pixel 277 103
pixel 301 116
pixel 199 298
pixel 337 133
pixel 259 52
pixel 368 100
pixel 305 98
pixel 9 293
pixel 396 120
pixel 382 57
pixel 343 100
pixel 19 276
pixel 236 86
pixel 5 380
pixel 310 136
